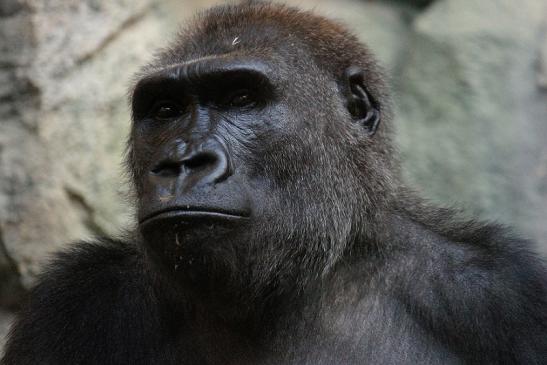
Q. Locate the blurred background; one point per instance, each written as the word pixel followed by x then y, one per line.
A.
pixel 469 80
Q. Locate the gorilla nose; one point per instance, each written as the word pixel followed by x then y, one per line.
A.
pixel 206 164
pixel 210 165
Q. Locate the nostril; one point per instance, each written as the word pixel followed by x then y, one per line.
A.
pixel 167 169
pixel 200 160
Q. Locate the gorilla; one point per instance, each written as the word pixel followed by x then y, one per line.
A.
pixel 273 227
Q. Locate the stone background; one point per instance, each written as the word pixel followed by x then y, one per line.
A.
pixel 470 84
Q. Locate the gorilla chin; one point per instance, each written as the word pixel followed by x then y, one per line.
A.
pixel 181 238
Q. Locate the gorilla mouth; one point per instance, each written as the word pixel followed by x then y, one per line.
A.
pixel 194 214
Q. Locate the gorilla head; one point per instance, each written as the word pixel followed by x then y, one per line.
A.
pixel 257 151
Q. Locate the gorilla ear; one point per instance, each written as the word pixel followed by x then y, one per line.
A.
pixel 361 106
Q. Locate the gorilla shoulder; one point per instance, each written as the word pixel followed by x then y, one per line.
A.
pixel 482 287
pixel 86 299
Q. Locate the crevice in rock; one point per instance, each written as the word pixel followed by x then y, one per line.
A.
pixel 12 291
pixel 11 7
pixel 86 210
pixel 420 4
pixel 541 63
pixel 130 21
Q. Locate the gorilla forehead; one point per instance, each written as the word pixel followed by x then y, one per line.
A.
pixel 273 30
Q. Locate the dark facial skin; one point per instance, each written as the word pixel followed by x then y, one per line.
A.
pixel 187 141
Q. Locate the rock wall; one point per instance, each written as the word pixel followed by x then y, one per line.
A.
pixel 470 83
pixel 473 109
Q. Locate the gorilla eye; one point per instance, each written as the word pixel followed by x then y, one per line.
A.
pixel 165 111
pixel 241 98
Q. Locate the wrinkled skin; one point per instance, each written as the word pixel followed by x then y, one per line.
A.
pixel 273 226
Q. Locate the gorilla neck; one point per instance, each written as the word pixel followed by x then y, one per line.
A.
pixel 237 313
pixel 240 304
pixel 247 284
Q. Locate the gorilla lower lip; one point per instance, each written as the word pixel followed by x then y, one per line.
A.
pixel 195 215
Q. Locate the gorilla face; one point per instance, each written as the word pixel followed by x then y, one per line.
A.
pixel 244 171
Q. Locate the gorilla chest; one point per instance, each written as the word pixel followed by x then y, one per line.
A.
pixel 352 339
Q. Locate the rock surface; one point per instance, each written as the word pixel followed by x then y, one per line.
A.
pixel 470 82
pixel 472 117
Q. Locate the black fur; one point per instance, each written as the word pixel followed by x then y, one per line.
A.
pixel 277 230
